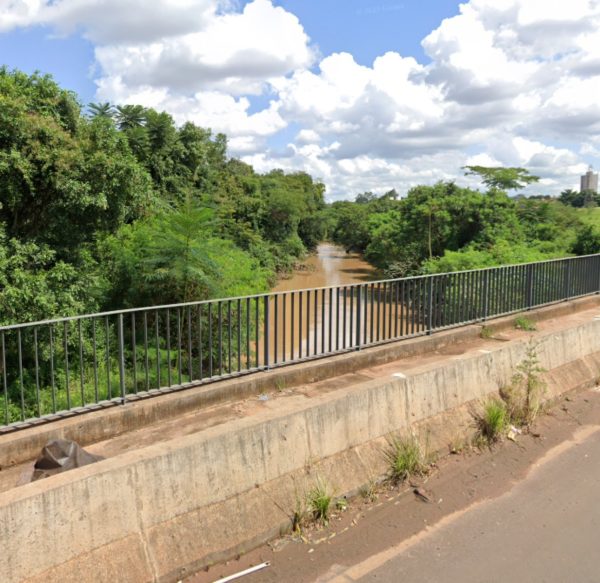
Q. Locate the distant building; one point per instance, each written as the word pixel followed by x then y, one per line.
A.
pixel 589 181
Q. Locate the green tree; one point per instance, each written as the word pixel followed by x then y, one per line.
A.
pixel 502 178
pixel 104 109
pixel 130 116
pixel 587 241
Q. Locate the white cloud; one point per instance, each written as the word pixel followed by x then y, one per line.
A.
pixel 511 82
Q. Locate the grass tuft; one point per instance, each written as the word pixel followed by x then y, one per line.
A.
pixel 319 500
pixel 493 421
pixel 523 323
pixel 486 333
pixel 405 458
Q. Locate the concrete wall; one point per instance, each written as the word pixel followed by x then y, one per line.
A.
pixel 155 514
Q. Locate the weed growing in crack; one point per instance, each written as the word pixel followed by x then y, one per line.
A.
pixel 486 333
pixel 319 501
pixel 405 458
pixel 524 396
pixel 368 491
pixel 492 422
pixel 523 323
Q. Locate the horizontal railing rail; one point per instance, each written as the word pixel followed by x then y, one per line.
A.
pixel 63 366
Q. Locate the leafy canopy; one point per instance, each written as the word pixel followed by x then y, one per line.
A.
pixel 502 178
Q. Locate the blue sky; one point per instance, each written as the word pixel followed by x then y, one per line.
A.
pixel 364 28
pixel 364 95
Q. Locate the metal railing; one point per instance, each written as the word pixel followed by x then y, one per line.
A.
pixel 69 365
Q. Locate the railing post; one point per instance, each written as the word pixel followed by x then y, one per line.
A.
pixel 567 290
pixel 430 306
pixel 266 332
pixel 486 294
pixel 358 310
pixel 529 290
pixel 121 358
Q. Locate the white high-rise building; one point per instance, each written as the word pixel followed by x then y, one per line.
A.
pixel 589 181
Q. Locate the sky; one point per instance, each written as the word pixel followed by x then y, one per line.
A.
pixel 365 95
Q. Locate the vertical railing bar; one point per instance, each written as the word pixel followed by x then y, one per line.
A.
pixel 358 313
pixel 37 372
pixel 5 381
pixel 95 357
pixel 390 310
pixel 168 333
pixel 308 323
pixel 316 329
pixel 365 303
pixel 378 311
pixel 256 331
pixel 21 385
pixel 403 311
pixel 210 341
pixel 229 337
pixel 179 349
pixel 284 326
pixel 430 306
pixel 158 354
pixel 66 350
pixel 220 335
pixel 52 379
pixel 300 319
pixel 371 315
pixel 134 353
pixel 413 296
pixel 121 358
pixel 248 361
pixel 292 324
pixel 266 331
pixel 331 319
pixel 200 347
pixel 81 376
pixel 337 318
pixel 384 311
pixel 239 335
pixel 275 331
pixel 146 361
pixel 323 321
pixel 344 333
pixel 351 319
pixel 107 343
pixel 190 346
pixel 396 299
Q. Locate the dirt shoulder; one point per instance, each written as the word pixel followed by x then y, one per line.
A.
pixel 457 484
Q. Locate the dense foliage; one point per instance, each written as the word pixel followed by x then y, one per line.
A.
pixel 119 207
pixel 447 228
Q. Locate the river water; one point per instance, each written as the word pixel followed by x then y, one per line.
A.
pixel 329 266
pixel 316 320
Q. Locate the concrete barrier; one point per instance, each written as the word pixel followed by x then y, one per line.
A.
pixel 161 512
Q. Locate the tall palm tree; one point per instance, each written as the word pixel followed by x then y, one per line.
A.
pixel 130 116
pixel 105 110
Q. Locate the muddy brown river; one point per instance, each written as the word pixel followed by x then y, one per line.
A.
pixel 330 266
pixel 304 321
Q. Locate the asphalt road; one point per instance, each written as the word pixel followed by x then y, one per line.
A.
pixel 545 529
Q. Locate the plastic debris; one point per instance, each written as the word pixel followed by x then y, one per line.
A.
pixel 61 455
